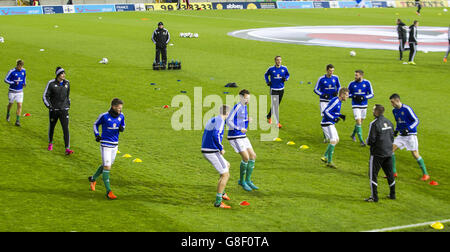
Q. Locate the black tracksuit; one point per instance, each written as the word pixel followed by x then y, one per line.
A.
pixel 380 140
pixel 56 99
pixel 161 38
pixel 402 38
pixel 412 42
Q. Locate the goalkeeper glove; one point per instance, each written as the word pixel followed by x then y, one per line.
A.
pixel 121 128
pixel 342 117
pixel 283 79
pixel 404 132
pixel 335 94
pixel 98 138
pixel 395 133
pixel 336 120
pixel 269 83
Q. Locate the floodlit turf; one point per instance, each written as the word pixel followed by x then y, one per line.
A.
pixel 173 189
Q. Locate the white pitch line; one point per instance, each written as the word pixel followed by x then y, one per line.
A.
pixel 407 226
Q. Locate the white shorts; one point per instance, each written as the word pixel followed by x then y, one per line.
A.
pixel 218 161
pixel 108 155
pixel 240 144
pixel 331 132
pixel 409 142
pixel 323 105
pixel 359 113
pixel 18 97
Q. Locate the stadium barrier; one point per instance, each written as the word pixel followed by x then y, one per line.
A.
pixel 98 8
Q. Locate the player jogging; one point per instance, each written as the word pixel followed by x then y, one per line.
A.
pixel 412 42
pixel 213 151
pixel 16 79
pixel 112 123
pixel 238 123
pixel 402 37
pixel 56 99
pixel 419 6
pixel 275 77
pixel 448 50
pixel 360 91
pixel 332 115
pixel 407 123
pixel 327 87
pixel 381 137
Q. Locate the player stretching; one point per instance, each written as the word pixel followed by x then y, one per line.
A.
pixel 327 87
pixel 112 123
pixel 448 50
pixel 238 123
pixel 360 91
pixel 407 123
pixel 16 81
pixel 278 75
pixel 213 151
pixel 332 115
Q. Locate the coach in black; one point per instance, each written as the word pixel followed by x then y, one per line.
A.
pixel 380 140
pixel 56 99
pixel 402 37
pixel 161 38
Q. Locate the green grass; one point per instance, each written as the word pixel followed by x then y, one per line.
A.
pixel 174 188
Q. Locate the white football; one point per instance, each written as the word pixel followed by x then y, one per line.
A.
pixel 425 51
pixel 2 40
pixel 104 61
pixel 445 10
pixel 352 53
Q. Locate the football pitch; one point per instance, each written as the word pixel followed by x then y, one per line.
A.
pixel 173 189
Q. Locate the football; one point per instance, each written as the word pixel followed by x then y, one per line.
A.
pixel 352 53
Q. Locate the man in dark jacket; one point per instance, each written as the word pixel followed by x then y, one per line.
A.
pixel 56 99
pixel 402 37
pixel 380 140
pixel 161 38
pixel 413 42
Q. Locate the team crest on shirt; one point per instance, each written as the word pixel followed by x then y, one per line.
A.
pixel 403 113
pixel 329 86
pixel 359 90
pixel 282 70
pixel 364 85
pixel 120 119
pixel 325 82
pixel 114 125
pixel 109 119
pixel 334 81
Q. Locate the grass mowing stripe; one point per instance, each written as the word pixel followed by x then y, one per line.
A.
pixel 407 226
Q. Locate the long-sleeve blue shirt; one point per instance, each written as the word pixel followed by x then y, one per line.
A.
pixel 364 89
pixel 110 128
pixel 237 120
pixel 16 80
pixel 275 74
pixel 406 119
pixel 327 85
pixel 213 135
pixel 332 111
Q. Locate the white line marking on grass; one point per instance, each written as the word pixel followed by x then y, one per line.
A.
pixel 230 19
pixel 407 226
